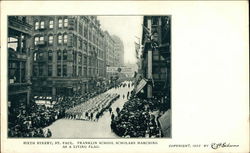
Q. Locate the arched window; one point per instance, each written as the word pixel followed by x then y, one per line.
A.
pixel 59 39
pixel 42 24
pixel 51 39
pixel 36 25
pixel 36 40
pixel 65 23
pixel 60 23
pixel 65 38
pixel 51 24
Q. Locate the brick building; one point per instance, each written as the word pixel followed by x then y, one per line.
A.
pixel 70 54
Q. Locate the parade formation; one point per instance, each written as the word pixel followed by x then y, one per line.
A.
pixel 67 77
pixel 93 108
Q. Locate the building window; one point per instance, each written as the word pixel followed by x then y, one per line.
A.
pixel 51 24
pixel 41 39
pixel 50 55
pixel 80 58
pixel 65 39
pixel 65 54
pixel 34 58
pixel 80 43
pixel 35 70
pixel 40 56
pixel 40 70
pixel 85 72
pixel 59 70
pixel 42 25
pixel 85 46
pixel 59 54
pixel 50 39
pixel 74 70
pixel 64 70
pixel 49 70
pixel 79 71
pixel 80 29
pixel 65 22
pixel 85 31
pixel 60 23
pixel 59 39
pixel 36 40
pixel 75 40
pixel 36 25
pixel 85 61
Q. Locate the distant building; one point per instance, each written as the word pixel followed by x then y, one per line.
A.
pixel 110 53
pixel 19 61
pixel 118 51
pixel 69 54
pixel 156 55
pixel 110 49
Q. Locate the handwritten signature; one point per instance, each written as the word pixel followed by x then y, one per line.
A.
pixel 222 145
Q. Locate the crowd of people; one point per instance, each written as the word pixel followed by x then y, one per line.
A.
pixel 93 108
pixel 30 121
pixel 137 118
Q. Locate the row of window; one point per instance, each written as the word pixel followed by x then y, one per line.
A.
pixel 60 55
pixel 61 70
pixel 60 39
pixel 61 23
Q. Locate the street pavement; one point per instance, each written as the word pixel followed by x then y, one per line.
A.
pixel 67 128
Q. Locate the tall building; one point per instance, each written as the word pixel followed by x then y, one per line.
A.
pixel 110 53
pixel 69 54
pixel 19 39
pixel 156 55
pixel 119 51
pixel 110 49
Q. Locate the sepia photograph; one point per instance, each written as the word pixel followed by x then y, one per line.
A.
pixel 94 76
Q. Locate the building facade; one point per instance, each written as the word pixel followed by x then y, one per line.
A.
pixel 19 60
pixel 119 51
pixel 110 53
pixel 69 54
pixel 156 55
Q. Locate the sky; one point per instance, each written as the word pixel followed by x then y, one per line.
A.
pixel 127 28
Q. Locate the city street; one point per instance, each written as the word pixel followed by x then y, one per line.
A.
pixel 67 128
